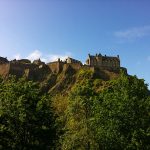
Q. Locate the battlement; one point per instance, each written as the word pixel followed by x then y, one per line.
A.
pixel 39 68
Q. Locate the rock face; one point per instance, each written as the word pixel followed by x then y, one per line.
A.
pixel 39 71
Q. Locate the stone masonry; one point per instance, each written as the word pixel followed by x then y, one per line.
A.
pixel 38 68
pixel 103 61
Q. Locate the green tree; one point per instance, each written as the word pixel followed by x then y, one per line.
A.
pixel 121 115
pixel 114 117
pixel 78 133
pixel 26 116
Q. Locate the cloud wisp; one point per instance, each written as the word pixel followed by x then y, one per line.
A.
pixel 54 57
pixel 17 56
pixel 36 54
pixel 133 33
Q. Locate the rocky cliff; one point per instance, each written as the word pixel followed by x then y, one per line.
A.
pixel 56 76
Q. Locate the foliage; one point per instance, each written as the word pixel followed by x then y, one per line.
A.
pixel 85 74
pixel 95 114
pixel 116 117
pixel 78 133
pixel 26 116
pixel 121 115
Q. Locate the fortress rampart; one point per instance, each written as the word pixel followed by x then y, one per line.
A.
pixel 4 69
pixel 38 69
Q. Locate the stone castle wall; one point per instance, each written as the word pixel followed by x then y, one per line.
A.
pixel 3 60
pixel 31 71
pixel 19 69
pixel 4 69
pixel 39 70
pixel 56 67
pixel 75 66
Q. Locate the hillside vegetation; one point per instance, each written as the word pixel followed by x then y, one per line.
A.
pixel 75 110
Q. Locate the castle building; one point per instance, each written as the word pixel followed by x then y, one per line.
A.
pixel 103 61
pixel 24 66
pixel 38 62
pixel 3 60
pixel 71 60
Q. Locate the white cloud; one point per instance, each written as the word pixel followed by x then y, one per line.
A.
pixel 34 55
pixel 17 56
pixel 133 33
pixel 54 57
pixel 47 58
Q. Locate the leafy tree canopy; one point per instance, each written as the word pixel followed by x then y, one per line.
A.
pixel 26 116
pixel 115 117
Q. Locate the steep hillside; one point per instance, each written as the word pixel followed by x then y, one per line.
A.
pixel 75 109
pixel 62 82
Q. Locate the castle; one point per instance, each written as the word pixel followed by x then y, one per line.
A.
pixel 38 69
pixel 103 61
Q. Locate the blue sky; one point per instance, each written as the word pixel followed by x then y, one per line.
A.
pixel 60 28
